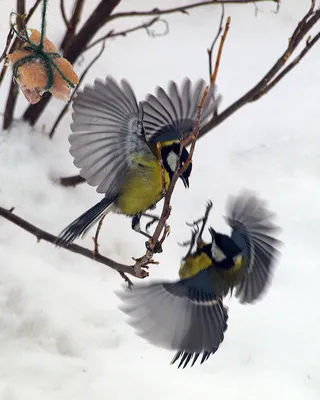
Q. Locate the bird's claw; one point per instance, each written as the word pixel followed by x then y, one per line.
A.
pixel 156 249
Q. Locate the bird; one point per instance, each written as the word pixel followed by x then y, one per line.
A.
pixel 114 144
pixel 188 315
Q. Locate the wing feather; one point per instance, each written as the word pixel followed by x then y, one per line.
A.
pixel 107 134
pixel 168 116
pixel 254 231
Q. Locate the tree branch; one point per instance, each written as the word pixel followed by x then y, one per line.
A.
pixel 72 24
pixel 13 91
pixel 166 210
pixel 74 248
pixel 215 41
pixel 113 34
pixel 184 9
pixel 64 15
pixel 274 75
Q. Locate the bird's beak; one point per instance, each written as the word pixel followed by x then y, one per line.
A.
pixel 212 232
pixel 185 181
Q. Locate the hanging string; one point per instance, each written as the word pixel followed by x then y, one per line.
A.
pixel 38 52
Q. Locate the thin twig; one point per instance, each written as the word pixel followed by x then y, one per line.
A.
pixel 64 15
pixel 293 63
pixel 113 34
pixel 275 74
pixel 66 107
pixel 163 177
pixel 96 237
pixel 72 24
pixel 213 77
pixel 184 9
pixel 215 41
pixel 8 42
pixel 166 209
pixel 74 248
pixel 14 91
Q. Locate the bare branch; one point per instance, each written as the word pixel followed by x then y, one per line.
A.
pixel 66 107
pixel 213 78
pixel 64 15
pixel 184 9
pixel 166 210
pixel 14 91
pixel 72 24
pixel 215 41
pixel 7 45
pixel 113 34
pixel 96 237
pixel 274 75
pixel 74 248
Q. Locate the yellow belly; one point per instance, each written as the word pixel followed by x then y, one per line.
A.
pixel 142 187
pixel 193 264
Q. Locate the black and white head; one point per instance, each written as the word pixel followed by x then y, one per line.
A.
pixel 170 153
pixel 224 250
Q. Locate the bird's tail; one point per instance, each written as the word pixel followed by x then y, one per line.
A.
pixel 81 225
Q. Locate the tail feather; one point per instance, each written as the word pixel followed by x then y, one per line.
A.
pixel 81 225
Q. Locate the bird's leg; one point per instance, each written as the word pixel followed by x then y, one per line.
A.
pixel 191 242
pixel 204 222
pixel 135 225
pixel 196 231
pixel 154 218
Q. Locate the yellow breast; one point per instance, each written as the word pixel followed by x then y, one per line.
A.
pixel 193 264
pixel 142 187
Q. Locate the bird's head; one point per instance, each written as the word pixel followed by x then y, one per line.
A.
pixel 224 250
pixel 170 154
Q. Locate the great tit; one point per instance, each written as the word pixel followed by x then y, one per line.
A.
pixel 189 315
pixel 114 143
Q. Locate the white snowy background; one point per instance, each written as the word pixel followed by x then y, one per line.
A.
pixel 61 333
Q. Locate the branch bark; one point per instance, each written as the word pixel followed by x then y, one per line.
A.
pixel 72 24
pixel 14 90
pixel 274 75
pixel 74 248
pixel 186 8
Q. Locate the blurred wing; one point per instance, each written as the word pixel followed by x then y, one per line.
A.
pixel 254 232
pixel 108 134
pixel 168 116
pixel 180 315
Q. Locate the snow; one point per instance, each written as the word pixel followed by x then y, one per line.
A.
pixel 61 333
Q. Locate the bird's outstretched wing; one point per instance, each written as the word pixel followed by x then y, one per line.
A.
pixel 170 115
pixel 185 315
pixel 107 133
pixel 254 231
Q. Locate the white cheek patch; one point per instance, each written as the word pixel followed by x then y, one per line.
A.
pixel 217 253
pixel 219 256
pixel 172 160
